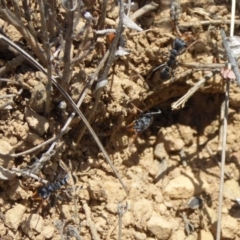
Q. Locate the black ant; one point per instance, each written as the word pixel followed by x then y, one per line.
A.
pixel 44 192
pixel 142 123
pixel 178 46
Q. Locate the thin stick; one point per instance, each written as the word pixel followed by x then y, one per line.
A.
pixel 121 210
pixel 147 8
pixel 48 55
pixel 67 70
pixel 207 22
pixel 211 66
pixel 3 105
pixel 102 17
pixel 9 17
pixel 100 66
pixel 110 54
pixel 11 64
pixel 181 102
pixel 29 174
pixel 39 146
pixel 232 17
pixel 89 220
pixel 69 99
pixel 231 58
pixel 224 140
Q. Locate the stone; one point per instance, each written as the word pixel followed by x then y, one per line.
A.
pixel 160 227
pixel 38 98
pixel 48 231
pixel 185 186
pixel 13 217
pixel 128 219
pixel 139 236
pixel 173 144
pixel 6 148
pixel 160 152
pixel 178 235
pixel 31 224
pixel 180 187
pixel 36 122
pixel 210 214
pixel 203 235
pixel 142 211
pixel 35 222
pixel 229 227
pixel 231 189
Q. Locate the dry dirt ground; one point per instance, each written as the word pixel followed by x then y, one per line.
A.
pixel 173 161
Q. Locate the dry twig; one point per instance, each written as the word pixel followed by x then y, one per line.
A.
pixel 69 99
pixel 147 8
pixel 181 102
pixel 89 220
pixel 223 158
pixel 46 45
pixel 231 57
pixel 121 210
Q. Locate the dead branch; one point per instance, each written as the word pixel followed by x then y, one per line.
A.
pixel 89 220
pixel 69 99
pixel 231 58
pixel 9 17
pixel 180 103
pixel 147 8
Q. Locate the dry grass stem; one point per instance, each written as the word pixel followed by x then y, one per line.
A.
pixel 69 99
pixel 11 65
pixel 147 8
pixel 89 220
pixel 122 209
pixel 207 22
pixel 230 56
pixel 46 45
pixel 53 139
pixel 180 103
pixel 12 19
pixel 223 158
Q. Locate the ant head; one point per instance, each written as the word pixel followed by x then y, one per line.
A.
pixel 43 192
pixel 179 44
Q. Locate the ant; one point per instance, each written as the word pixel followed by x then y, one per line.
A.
pixel 142 123
pixel 178 46
pixel 44 192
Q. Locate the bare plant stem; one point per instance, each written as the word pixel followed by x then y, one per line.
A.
pixel 47 51
pixel 69 99
pixel 40 145
pixel 68 47
pixel 231 58
pixel 181 102
pixel 3 105
pixel 9 17
pixel 100 66
pixel 28 173
pixel 223 158
pixel 111 54
pixel 89 220
pixel 207 22
pixel 103 14
pixel 147 8
pixel 203 66
pixel 11 64
pixel 121 210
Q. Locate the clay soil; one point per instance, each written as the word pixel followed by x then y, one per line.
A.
pixel 171 170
